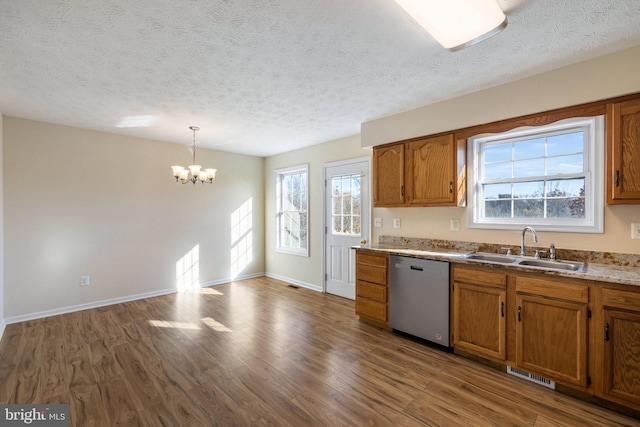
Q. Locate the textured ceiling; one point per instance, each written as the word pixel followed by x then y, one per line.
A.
pixel 265 77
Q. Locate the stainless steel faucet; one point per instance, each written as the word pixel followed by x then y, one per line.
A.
pixel 535 239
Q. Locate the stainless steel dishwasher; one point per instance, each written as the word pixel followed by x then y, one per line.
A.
pixel 419 298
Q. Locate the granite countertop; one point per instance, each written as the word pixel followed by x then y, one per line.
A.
pixel 603 267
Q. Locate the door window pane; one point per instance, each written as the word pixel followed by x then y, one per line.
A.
pixel 346 205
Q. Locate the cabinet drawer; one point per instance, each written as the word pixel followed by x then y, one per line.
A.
pixel 371 274
pixel 480 277
pixel 553 289
pixel 371 259
pixel 621 299
pixel 371 291
pixel 373 309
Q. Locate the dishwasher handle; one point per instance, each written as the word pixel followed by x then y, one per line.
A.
pixel 400 266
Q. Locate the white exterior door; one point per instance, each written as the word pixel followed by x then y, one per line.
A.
pixel 347 213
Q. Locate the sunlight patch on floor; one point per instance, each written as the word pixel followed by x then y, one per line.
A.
pixel 209 291
pixel 215 325
pixel 169 324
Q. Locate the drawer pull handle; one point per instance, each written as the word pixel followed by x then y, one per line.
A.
pixel 450 186
pixel 606 332
pixel 502 309
pixel 618 178
pixel 519 315
pixel 413 267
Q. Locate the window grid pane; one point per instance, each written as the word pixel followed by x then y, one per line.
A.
pixel 346 209
pixel 525 178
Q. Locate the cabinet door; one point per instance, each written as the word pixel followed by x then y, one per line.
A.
pixel 551 338
pixel 621 336
pixel 617 341
pixel 623 150
pixel 479 319
pixel 388 175
pixel 431 171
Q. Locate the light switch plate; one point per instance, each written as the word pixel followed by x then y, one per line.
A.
pixel 635 230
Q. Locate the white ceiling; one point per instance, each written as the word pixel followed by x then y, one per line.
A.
pixel 264 77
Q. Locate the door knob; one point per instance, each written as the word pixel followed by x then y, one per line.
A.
pixel 363 241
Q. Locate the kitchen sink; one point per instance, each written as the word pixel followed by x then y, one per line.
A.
pixel 543 264
pixel 500 259
pixel 552 265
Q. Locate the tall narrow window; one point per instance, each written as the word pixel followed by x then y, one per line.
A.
pixel 548 176
pixel 292 210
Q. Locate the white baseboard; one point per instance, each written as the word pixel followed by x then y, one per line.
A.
pixel 295 282
pixel 3 325
pixel 80 307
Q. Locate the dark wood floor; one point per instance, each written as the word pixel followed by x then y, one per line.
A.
pixel 259 352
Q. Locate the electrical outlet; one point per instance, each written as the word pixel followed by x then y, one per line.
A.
pixel 635 230
pixel 396 222
pixel 454 225
pixel 85 280
pixel 377 222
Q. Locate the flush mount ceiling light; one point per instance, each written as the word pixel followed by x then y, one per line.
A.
pixel 193 173
pixel 457 24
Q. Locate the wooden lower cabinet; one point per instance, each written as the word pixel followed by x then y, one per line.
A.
pixel 618 343
pixel 552 329
pixel 581 334
pixel 548 333
pixel 479 312
pixel 372 287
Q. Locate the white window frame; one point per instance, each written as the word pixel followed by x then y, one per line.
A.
pixel 593 173
pixel 280 173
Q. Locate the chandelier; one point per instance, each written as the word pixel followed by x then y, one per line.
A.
pixel 194 172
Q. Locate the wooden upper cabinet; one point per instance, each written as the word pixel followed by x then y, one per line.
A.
pixel 388 175
pixel 420 172
pixel 623 152
pixel 430 165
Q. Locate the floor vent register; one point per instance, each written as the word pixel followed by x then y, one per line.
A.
pixel 531 377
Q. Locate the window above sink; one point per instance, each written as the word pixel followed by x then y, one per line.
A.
pixel 548 176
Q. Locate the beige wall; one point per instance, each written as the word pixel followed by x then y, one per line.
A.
pixel 306 271
pixel 600 78
pixel 79 202
pixel 592 80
